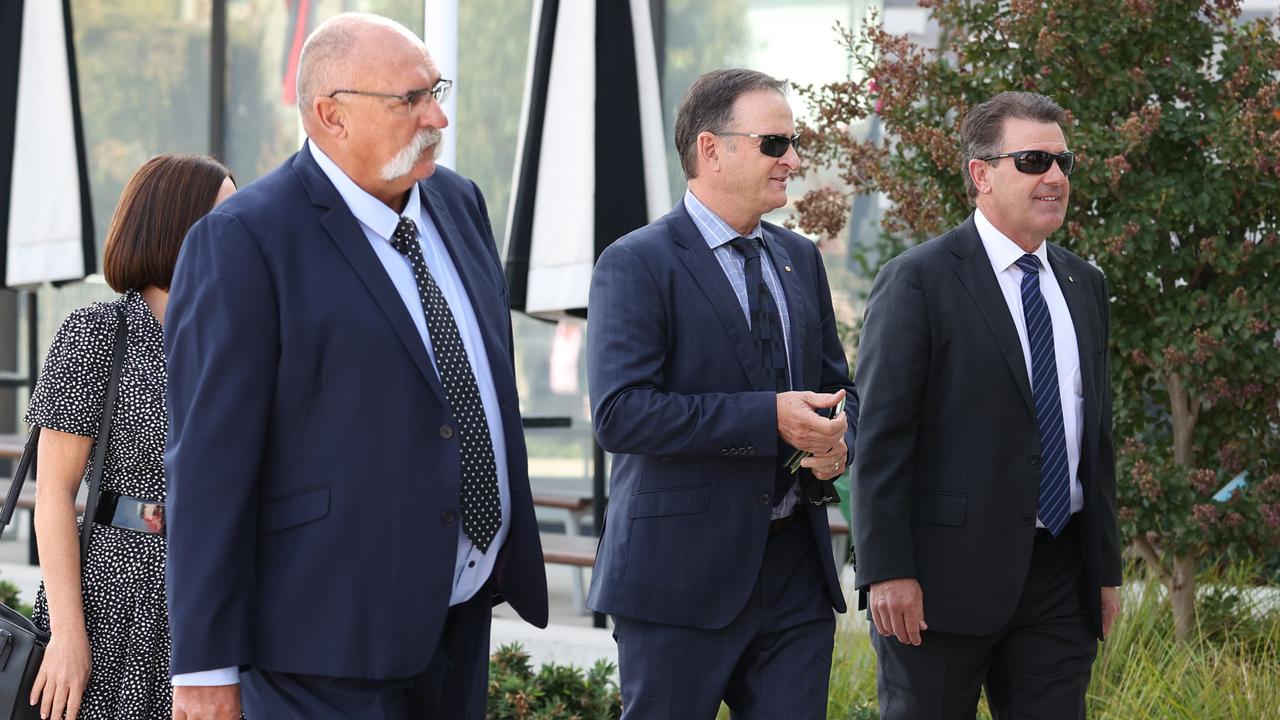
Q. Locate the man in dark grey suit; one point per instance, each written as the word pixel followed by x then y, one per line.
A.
pixel 984 495
pixel 712 344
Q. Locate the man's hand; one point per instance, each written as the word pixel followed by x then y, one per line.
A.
pixel 897 608
pixel 1110 608
pixel 803 428
pixel 828 465
pixel 206 702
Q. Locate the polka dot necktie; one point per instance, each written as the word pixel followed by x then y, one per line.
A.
pixel 1055 483
pixel 481 510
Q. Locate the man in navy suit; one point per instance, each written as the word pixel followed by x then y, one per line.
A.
pixel 348 487
pixel 711 351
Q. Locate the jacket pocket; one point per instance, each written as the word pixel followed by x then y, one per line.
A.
pixel 937 508
pixel 289 511
pixel 670 501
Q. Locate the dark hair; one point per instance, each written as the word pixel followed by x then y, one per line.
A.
pixel 707 106
pixel 163 199
pixel 982 130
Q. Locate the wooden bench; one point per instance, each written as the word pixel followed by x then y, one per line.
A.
pixel 571 548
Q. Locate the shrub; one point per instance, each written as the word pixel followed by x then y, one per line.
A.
pixel 554 692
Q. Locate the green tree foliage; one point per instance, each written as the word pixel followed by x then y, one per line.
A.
pixel 1175 108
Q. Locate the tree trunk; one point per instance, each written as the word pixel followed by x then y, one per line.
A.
pixel 1182 595
pixel 1182 582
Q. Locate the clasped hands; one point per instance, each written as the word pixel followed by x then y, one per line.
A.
pixel 800 425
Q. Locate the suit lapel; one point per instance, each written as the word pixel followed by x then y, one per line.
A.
pixel 709 277
pixel 796 307
pixel 346 234
pixel 1080 305
pixel 488 311
pixel 974 269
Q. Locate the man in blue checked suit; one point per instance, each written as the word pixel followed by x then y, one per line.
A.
pixel 984 493
pixel 347 479
pixel 712 351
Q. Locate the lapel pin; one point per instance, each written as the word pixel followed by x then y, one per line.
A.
pixel 786 268
pixel 1071 279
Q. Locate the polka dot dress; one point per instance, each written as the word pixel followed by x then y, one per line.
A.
pixel 481 511
pixel 124 592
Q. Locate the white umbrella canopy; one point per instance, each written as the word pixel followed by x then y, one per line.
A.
pixel 591 161
pixel 45 210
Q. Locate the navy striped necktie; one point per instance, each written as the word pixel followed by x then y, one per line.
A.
pixel 1055 485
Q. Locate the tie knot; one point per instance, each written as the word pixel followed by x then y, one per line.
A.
pixel 405 234
pixel 748 247
pixel 1030 264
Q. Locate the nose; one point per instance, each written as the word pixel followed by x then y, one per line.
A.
pixel 434 116
pixel 790 159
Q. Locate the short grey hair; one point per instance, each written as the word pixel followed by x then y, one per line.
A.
pixel 707 106
pixel 982 129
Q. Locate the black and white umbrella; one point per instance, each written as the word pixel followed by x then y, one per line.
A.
pixel 46 223
pixel 591 163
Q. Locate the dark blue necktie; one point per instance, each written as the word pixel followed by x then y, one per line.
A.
pixel 1055 484
pixel 766 321
pixel 766 335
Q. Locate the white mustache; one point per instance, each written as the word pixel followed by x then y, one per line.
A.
pixel 402 164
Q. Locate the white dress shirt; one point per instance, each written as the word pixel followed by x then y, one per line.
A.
pixel 472 567
pixel 1004 254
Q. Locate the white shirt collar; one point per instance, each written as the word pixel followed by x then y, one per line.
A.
pixel 369 210
pixel 1001 251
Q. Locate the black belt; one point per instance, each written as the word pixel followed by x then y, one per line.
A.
pixel 130 513
pixel 777 526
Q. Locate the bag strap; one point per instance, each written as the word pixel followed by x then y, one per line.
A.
pixel 19 478
pixel 104 434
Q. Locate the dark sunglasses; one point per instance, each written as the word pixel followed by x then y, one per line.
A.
pixel 771 145
pixel 1035 162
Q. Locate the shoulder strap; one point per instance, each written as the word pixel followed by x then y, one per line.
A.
pixel 19 478
pixel 104 433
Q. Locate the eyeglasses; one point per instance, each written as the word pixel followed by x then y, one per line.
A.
pixel 414 99
pixel 771 145
pixel 1035 162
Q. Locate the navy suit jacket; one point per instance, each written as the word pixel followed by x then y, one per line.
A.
pixel 948 460
pixel 677 393
pixel 312 476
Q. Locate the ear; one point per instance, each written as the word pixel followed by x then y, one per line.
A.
pixel 331 117
pixel 980 172
pixel 708 151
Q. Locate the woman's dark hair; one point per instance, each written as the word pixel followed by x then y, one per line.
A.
pixel 163 199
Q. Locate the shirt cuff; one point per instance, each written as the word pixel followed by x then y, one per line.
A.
pixel 220 676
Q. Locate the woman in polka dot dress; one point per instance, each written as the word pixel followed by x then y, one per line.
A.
pixel 108 658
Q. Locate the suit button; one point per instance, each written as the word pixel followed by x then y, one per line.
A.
pixel 1028 519
pixel 446 432
pixel 764 499
pixel 446 517
pixel 1033 458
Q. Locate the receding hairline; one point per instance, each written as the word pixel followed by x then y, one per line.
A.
pixel 335 47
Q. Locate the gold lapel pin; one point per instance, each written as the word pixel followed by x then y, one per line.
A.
pixel 786 268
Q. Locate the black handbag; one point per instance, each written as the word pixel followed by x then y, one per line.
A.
pixel 22 644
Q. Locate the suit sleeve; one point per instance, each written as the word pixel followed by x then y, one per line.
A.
pixel 835 366
pixel 893 364
pixel 626 347
pixel 222 345
pixel 1111 570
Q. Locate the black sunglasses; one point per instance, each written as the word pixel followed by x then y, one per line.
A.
pixel 771 145
pixel 1035 162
